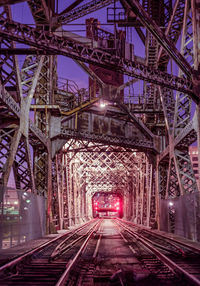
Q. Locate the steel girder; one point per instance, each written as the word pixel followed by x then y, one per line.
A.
pixel 195 5
pixel 22 114
pixel 61 189
pixel 176 174
pixel 173 30
pixel 18 155
pixel 151 94
pixel 49 43
pixel 105 129
pixel 81 11
pixel 43 94
pixel 160 37
pixel 181 178
pixel 88 146
pixel 40 11
pixel 14 108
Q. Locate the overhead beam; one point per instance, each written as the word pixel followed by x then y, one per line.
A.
pixel 40 11
pixel 53 44
pixel 70 7
pixel 136 121
pixel 81 11
pixel 139 144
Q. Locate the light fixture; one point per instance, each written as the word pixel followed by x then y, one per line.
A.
pixel 171 204
pixel 102 104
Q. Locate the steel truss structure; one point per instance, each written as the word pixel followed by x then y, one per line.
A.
pixel 139 145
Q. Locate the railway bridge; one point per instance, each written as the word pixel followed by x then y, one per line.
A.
pixel 99 136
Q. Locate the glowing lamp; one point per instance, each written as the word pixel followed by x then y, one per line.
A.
pixel 102 104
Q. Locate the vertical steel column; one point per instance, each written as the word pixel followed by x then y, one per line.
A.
pixel 59 173
pixel 149 187
pixel 9 75
pixel 69 189
pixel 142 189
pixel 66 213
pixel 196 49
pixel 137 195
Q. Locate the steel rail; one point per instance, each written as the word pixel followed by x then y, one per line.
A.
pixel 59 247
pixel 72 262
pixel 191 247
pixel 125 240
pixel 172 243
pixel 59 250
pixel 163 247
pixel 168 262
pixel 17 260
pixel 172 240
pixel 97 246
pixel 176 244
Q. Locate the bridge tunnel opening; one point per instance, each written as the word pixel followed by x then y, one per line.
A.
pixel 91 175
pixel 107 205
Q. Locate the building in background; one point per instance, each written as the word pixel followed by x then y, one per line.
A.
pixel 193 151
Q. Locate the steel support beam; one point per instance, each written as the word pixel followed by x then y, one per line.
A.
pixel 160 37
pixel 58 45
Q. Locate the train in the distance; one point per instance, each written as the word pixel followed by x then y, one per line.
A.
pixel 107 205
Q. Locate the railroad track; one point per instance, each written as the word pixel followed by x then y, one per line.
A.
pixel 100 253
pixel 115 258
pixel 182 260
pixel 46 264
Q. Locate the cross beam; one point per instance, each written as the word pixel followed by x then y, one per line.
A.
pixel 48 43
